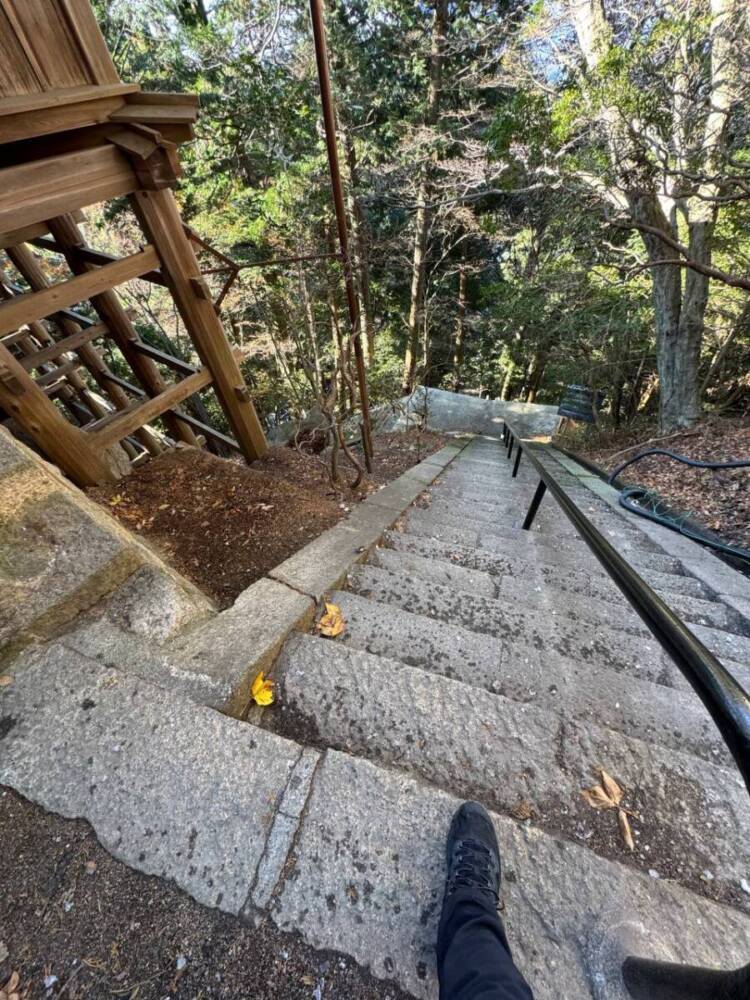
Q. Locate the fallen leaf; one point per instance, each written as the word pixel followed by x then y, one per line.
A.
pixel 611 787
pixel 10 990
pixel 5 680
pixel 332 622
pixel 608 795
pixel 262 690
pixel 116 499
pixel 627 834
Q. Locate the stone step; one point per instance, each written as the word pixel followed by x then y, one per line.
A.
pixel 568 576
pixel 498 539
pixel 571 688
pixel 532 590
pixel 540 593
pixel 368 873
pixel 607 645
pixel 513 756
pixel 171 788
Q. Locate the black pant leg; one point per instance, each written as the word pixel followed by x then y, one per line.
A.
pixel 473 956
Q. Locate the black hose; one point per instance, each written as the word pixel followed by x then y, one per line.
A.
pixel 631 498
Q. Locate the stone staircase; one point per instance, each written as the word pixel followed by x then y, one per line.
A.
pixel 504 665
pixel 479 660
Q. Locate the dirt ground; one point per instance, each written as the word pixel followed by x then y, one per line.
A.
pixel 717 499
pixel 224 524
pixel 70 911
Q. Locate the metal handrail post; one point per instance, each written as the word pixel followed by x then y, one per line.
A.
pixel 511 442
pixel 517 462
pixel 534 505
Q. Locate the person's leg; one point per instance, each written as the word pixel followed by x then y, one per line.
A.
pixel 473 957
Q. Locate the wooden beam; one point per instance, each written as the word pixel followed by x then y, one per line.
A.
pixel 60 371
pixel 169 360
pixel 60 347
pixel 32 306
pixel 64 444
pixel 70 323
pixel 90 256
pixel 40 190
pixel 158 214
pixel 111 311
pixel 125 423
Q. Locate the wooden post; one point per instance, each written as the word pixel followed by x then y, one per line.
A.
pixel 161 222
pixel 112 312
pixel 28 266
pixel 66 445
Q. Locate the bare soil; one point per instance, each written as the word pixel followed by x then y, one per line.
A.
pixel 717 499
pixel 224 524
pixel 70 911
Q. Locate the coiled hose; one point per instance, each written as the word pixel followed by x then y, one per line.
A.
pixel 632 498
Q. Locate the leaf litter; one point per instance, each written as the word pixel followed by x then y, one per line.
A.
pixel 608 795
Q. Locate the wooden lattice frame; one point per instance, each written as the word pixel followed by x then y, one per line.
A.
pixel 68 147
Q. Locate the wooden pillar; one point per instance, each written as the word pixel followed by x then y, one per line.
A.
pixel 27 265
pixel 66 445
pixel 161 222
pixel 111 311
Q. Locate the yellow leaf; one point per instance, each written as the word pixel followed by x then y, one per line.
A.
pixel 115 500
pixel 262 690
pixel 332 622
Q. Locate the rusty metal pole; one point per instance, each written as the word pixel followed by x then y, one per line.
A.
pixel 329 121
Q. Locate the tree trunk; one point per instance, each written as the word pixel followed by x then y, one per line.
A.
pixel 458 346
pixel 423 217
pixel 510 372
pixel 360 240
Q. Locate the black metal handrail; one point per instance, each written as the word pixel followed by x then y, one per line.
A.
pixel 726 700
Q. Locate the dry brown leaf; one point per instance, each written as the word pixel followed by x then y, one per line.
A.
pixel 10 990
pixel 332 622
pixel 597 798
pixel 627 834
pixel 611 787
pixel 5 680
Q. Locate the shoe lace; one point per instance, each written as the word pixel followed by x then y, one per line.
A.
pixel 472 868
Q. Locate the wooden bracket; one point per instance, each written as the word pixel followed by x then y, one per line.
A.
pixel 153 158
pixel 242 393
pixel 10 381
pixel 200 288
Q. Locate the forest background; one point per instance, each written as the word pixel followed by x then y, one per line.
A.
pixel 538 194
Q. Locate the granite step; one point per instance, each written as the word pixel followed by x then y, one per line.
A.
pixel 635 704
pixel 607 645
pixel 692 815
pixel 533 590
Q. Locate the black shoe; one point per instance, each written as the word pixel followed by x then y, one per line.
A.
pixel 472 853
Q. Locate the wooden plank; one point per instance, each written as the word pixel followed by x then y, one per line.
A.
pixel 125 424
pixel 177 364
pixel 64 444
pixel 93 48
pixel 69 323
pixel 26 234
pixel 32 306
pixel 160 220
pixel 58 372
pixel 28 125
pixel 112 312
pixel 90 256
pixel 165 97
pixel 62 96
pixel 43 189
pixel 210 432
pixel 60 347
pixel 155 114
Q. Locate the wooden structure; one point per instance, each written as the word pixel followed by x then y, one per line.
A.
pixel 72 134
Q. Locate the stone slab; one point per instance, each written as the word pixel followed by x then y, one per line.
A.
pixel 170 788
pixel 235 645
pixel 487 747
pixel 322 564
pixel 605 645
pixel 368 874
pixel 439 571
